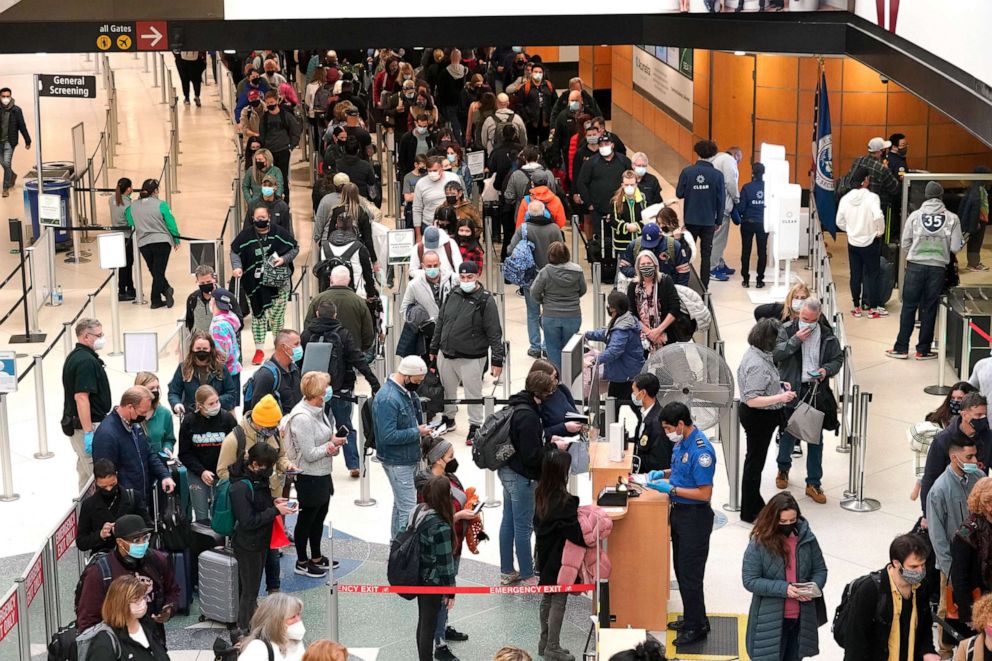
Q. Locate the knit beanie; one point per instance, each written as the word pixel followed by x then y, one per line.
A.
pixel 933 190
pixel 437 450
pixel 267 412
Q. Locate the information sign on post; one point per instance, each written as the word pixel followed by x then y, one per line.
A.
pixel 71 86
pixel 400 246
pixel 52 211
pixel 140 352
pixel 112 249
pixel 65 535
pixel 8 371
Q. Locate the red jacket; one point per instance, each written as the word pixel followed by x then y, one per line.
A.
pixel 551 203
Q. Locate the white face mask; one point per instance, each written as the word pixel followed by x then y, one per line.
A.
pixel 605 151
pixel 139 609
pixel 629 190
pixel 640 171
pixel 100 343
pixel 638 399
pixel 296 631
pixel 6 100
pixel 212 411
pixel 434 175
pixel 674 436
pixel 797 304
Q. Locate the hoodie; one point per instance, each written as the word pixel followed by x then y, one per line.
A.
pixel 860 215
pixel 526 436
pixel 224 329
pixel 558 289
pixel 551 202
pixel 623 356
pixel 931 234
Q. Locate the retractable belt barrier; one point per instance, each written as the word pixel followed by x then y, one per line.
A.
pixel 476 589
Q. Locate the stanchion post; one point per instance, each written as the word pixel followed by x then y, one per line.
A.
pixel 115 316
pixel 852 468
pixel 390 349
pixel 611 414
pixel 505 375
pixel 575 238
pixel 33 327
pixel 492 500
pixel 7 495
pixel 731 439
pixel 91 305
pixel 165 84
pixel 941 388
pixel 68 337
pixel 139 297
pixel 857 502
pixel 332 588
pixel 155 70
pixel 50 587
pixel 364 497
pixel 23 626
pixel 39 409
pixel 847 405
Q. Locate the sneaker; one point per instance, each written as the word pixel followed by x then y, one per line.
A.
pixel 719 276
pixel 442 653
pixel 509 579
pixel 726 269
pixel 925 355
pixel 978 267
pixel 534 353
pixel 745 283
pixel 880 311
pixel 856 312
pixel 453 634
pixel 529 582
pixel 871 314
pixel 901 355
pixel 815 494
pixel 197 101
pixel 470 437
pixel 782 480
pixel 309 569
pixel 258 358
pixel 323 562
pixel 449 423
pixel 185 102
pixel 797 450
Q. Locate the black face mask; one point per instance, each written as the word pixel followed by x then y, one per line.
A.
pixel 411 386
pixel 262 224
pixel 254 104
pixel 786 529
pixel 202 356
pixel 263 473
pixel 109 494
pixel 155 397
pixel 451 466
pixel 272 108
pixel 206 287
pixel 452 200
pixel 260 165
pixel 463 240
pixel 980 424
pixel 138 419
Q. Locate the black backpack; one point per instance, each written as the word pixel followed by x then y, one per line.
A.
pixel 492 448
pixel 403 568
pixel 324 268
pixel 431 393
pixel 62 646
pixel 841 622
pixel 335 366
pixel 502 120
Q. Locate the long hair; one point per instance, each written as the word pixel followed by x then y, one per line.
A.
pixel 215 365
pixel 122 185
pixel 765 530
pixel 799 287
pixel 943 414
pixel 552 488
pixel 350 202
pixel 123 591
pixel 619 195
pixel 257 174
pixel 269 621
pixel 326 650
pixel 637 267
pixel 437 496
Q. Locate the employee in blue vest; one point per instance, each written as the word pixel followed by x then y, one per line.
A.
pixel 702 187
pixel 689 485
pixel 751 216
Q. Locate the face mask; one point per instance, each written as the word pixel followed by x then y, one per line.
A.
pixel 260 165
pixel 262 224
pixel 903 151
pixel 202 356
pixel 537 77
pixel 211 412
pixel 407 76
pixel 804 325
pixel 206 287
pixel 638 399
pixel 434 175
pixel 451 466
pixel 420 130
pixel 640 171
pixel 954 406
pixel 254 104
pixel 517 49
pixel 573 105
pixel 674 437
pixel 629 190
pixel 594 140
pixel 451 158
pixel 786 528
pixel 268 191
pixel 646 271
pixel 432 272
pixel 410 385
pixel 155 397
pixel 296 631
pixel 271 108
pixel 139 609
pixel 797 304
pixel 137 551
pixel 6 100
pixel 108 494
pixel 913 577
pixel 452 200
pixel 972 469
pixel 410 95
pixel 263 473
pixel 328 394
pixel 138 419
pixel 467 287
pixel 980 424
pixel 605 151
pixel 100 343
pixel 297 354
pixel 463 240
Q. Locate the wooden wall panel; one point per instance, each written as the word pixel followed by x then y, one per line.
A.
pixel 732 107
pixel 547 53
pixel 777 104
pixel 776 71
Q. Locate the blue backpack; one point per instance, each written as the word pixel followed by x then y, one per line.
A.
pixel 519 268
pixel 249 389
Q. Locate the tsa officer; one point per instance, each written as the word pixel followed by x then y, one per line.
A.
pixel 689 485
pixel 652 447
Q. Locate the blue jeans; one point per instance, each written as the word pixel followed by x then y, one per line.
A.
pixel 921 288
pixel 533 320
pixel 8 167
pixel 814 453
pixel 442 617
pixel 518 522
pixel 343 410
pixel 404 494
pixel 557 332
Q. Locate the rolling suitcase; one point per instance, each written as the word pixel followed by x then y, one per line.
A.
pixel 173 511
pixel 219 586
pixel 202 538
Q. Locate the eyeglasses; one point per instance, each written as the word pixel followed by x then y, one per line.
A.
pixel 139 540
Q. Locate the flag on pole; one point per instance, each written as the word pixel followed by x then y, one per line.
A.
pixel 823 171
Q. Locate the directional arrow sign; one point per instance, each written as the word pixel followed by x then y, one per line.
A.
pixel 152 35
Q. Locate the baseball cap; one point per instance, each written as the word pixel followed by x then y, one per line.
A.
pixel 878 144
pixel 432 238
pixel 468 267
pixel 130 525
pixel 340 179
pixel 254 95
pixel 651 236
pixel 223 298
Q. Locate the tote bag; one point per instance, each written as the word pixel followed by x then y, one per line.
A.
pixel 806 423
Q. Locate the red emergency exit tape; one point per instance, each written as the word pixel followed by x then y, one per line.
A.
pixel 478 589
pixel 980 332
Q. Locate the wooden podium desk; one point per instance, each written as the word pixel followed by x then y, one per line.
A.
pixel 638 548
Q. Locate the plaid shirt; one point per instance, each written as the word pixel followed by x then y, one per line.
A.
pixel 437 562
pixel 882 182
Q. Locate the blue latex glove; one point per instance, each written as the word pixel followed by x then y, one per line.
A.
pixel 662 486
pixel 88 443
pixel 655 475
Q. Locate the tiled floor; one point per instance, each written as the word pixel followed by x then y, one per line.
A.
pixel 852 543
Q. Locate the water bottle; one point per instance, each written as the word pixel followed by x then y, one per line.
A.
pixel 57 297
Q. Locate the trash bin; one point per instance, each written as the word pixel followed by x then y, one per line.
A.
pixel 60 187
pixel 54 170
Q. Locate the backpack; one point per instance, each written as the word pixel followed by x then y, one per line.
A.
pixel 492 447
pixel 501 120
pixel 368 426
pixel 519 268
pixel 102 561
pixel 431 394
pixel 344 259
pixel 86 638
pixel 841 621
pixel 403 567
pixel 695 307
pixel 447 251
pixel 68 643
pixel 322 98
pixel 221 514
pixel 249 388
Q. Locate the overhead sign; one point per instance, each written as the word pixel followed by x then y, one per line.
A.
pixel 667 83
pixel 73 87
pixel 153 35
pixel 115 36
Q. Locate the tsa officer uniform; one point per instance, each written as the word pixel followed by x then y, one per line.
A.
pixel 693 465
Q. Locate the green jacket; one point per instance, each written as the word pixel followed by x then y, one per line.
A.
pixel 159 430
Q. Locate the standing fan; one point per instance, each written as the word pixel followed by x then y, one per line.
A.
pixel 695 375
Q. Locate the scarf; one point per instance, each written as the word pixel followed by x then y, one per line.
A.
pixel 647 310
pixel 894 650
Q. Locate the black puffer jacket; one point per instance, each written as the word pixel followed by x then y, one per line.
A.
pixel 468 327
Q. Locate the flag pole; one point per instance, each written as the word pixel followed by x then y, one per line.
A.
pixel 813 213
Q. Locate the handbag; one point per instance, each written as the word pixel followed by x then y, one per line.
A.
pixel 806 423
pixel 275 276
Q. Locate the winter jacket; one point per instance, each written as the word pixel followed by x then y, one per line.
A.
pixel 95 511
pixel 552 535
pixel 551 202
pixel 751 206
pixel 152 221
pixel 199 316
pixel 623 356
pixel 971 561
pixel 407 153
pixel 351 359
pixel 970 210
pixel 16 126
pixel 262 87
pixel 527 437
pixel 947 509
pixel 579 561
pixel 126 445
pixel 702 187
pixel 519 183
pixel 727 165
pixel 938 459
pixel 251 186
pixel 503 115
pixel 287 391
pixel 228 461
pixel 554 409
pixel 541 232
pixel 558 289
pixel 931 234
pixel 589 105
pixel 184 392
pixel 535 102
pixel 869 634
pixel 155 569
pixel 599 180
pixel 419 292
pixel 859 213
pixel 254 511
pixel 353 313
pixel 306 432
pixel 650 188
pixel 788 357
pixel 224 329
pixel 361 174
pixel 201 437
pixel 764 577
pixel 396 415
pixel 468 327
pixel 279 213
pixel 628 210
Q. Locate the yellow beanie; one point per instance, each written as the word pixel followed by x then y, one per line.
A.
pixel 267 412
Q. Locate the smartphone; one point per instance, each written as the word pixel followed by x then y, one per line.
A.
pixel 293 504
pixel 294 472
pixel 478 506
pixel 814 372
pixel 342 431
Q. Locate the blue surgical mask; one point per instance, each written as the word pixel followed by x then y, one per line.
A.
pixel 573 105
pixel 451 158
pixel 803 325
pixel 268 191
pixel 432 271
pixel 640 170
pixel 136 550
pixel 467 287
pixel 328 394
pixel 974 469
pixel 297 354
